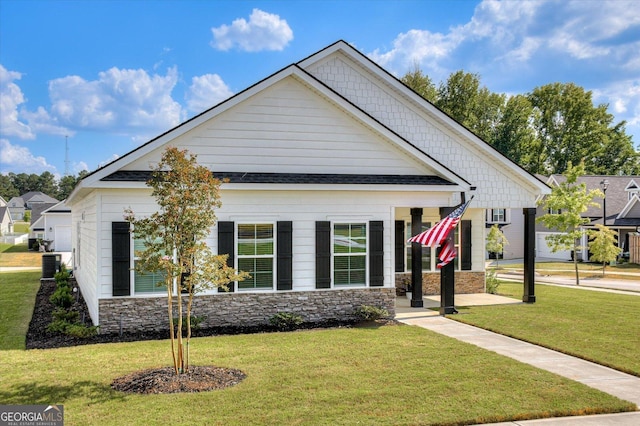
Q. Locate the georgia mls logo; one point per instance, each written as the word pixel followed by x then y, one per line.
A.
pixel 31 415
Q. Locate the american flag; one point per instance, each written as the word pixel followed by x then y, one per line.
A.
pixel 447 254
pixel 438 233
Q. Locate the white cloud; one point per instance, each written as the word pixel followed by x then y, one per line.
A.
pixel 623 98
pixel 518 31
pixel 20 160
pixel 264 31
pixel 111 159
pixel 10 98
pixel 124 101
pixel 206 91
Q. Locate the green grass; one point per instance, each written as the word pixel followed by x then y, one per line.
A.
pixel 19 255
pixel 21 227
pixel 17 297
pixel 598 326
pixel 391 375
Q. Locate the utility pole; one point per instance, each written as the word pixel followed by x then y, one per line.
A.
pixel 66 155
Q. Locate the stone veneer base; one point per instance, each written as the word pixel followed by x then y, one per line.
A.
pixel 137 314
pixel 466 282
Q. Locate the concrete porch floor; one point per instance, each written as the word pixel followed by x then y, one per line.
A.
pixel 405 311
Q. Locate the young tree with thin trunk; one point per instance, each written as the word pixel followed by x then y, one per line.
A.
pixel 565 204
pixel 174 239
pixel 602 245
pixel 496 241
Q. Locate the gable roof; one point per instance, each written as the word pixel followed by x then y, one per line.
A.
pixel 38 209
pixel 619 204
pixel 436 172
pixel 425 106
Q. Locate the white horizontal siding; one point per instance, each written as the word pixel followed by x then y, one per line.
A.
pixel 84 222
pixel 302 208
pixel 290 129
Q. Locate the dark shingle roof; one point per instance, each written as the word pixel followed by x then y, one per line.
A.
pixel 296 178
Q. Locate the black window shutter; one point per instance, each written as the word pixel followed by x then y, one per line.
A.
pixel 399 246
pixel 226 245
pixel 323 254
pixel 285 256
pixel 465 243
pixel 376 253
pixel 120 259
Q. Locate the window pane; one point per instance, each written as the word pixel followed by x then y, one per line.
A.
pixel 255 255
pixel 149 282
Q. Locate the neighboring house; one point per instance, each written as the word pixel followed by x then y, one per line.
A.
pixel 622 210
pixel 51 223
pixel 329 160
pixel 19 205
pixel 6 223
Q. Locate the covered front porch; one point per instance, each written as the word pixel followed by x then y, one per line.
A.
pixel 416 266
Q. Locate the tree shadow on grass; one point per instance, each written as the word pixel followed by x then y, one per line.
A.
pixel 36 393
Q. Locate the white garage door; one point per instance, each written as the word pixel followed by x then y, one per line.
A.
pixel 62 238
pixel 544 251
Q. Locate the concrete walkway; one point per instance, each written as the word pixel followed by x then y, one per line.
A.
pixel 613 382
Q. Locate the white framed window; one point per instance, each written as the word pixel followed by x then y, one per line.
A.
pixel 255 250
pixel 349 254
pixel 146 282
pixel 498 215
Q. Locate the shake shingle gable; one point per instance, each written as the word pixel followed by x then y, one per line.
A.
pixel 297 178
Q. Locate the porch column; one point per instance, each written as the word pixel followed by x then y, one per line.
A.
pixel 447 275
pixel 416 260
pixel 529 295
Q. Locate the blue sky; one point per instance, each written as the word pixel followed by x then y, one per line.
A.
pixel 107 76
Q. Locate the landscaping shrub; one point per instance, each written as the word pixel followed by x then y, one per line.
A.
pixel 371 313
pixel 62 297
pixel 492 282
pixel 286 321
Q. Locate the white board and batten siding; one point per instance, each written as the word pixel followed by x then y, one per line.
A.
pixel 289 129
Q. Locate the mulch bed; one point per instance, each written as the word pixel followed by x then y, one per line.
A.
pixel 154 381
pixel 165 380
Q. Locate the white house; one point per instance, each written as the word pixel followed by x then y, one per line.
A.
pixel 330 161
pixel 52 225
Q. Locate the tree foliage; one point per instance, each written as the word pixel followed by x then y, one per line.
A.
pixel 496 241
pixel 602 245
pixel 15 185
pixel 187 195
pixel 565 204
pixel 542 131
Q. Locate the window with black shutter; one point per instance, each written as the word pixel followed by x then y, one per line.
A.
pixel 226 246
pixel 120 259
pixel 323 254
pixel 284 253
pixel 465 245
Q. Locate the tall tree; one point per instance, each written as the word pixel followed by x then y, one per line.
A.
pixel 515 136
pixel 47 184
pixel 174 238
pixel 421 84
pixel 565 204
pixel 572 129
pixel 7 189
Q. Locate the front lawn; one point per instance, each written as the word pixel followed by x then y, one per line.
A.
pixel 19 255
pixel 598 326
pixel 392 375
